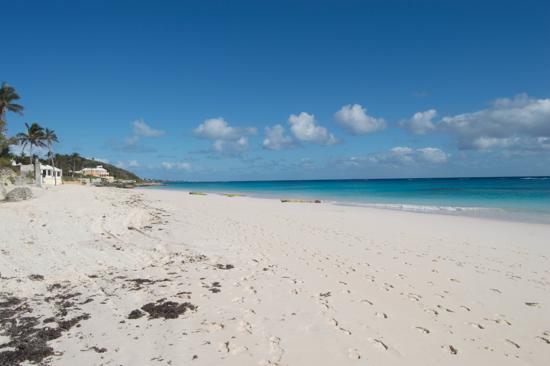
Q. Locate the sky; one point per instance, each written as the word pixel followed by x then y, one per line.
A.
pixel 267 90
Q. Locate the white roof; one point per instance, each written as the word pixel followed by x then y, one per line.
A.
pixel 42 166
pixel 99 167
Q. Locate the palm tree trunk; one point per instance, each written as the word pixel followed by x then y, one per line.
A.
pixel 30 152
pixel 53 165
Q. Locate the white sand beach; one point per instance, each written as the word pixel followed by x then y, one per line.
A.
pixel 248 281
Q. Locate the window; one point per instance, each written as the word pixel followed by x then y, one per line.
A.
pixel 49 172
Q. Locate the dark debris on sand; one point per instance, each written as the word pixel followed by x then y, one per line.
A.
pixel 36 277
pixel 28 337
pixel 224 266
pixel 167 309
pixel 215 287
pixel 135 314
pixel 140 282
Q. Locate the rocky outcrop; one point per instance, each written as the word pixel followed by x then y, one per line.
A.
pixel 19 194
pixel 7 180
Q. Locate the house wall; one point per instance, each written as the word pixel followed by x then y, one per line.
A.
pixel 49 180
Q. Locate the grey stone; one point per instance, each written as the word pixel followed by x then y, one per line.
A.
pixel 19 194
pixel 7 179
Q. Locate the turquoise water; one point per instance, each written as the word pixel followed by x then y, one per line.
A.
pixel 518 198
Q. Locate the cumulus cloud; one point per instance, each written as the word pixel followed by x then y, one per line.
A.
pixel 401 155
pixel 225 138
pixel 219 129
pixel 519 123
pixel 355 119
pixel 305 128
pixel 231 147
pixel 433 155
pixel 133 143
pixel 275 138
pixel 175 165
pixel 421 122
pixel 140 128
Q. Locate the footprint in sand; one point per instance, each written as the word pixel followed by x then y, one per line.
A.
pixel 451 349
pixel 354 354
pixel 245 326
pixel 513 343
pixel 476 325
pixel 379 344
pixel 336 325
pixel 423 330
pixel 228 347
pixel 275 352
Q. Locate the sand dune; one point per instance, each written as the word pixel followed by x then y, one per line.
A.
pixel 102 276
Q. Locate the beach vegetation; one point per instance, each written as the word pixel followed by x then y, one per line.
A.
pixel 8 99
pixel 50 138
pixel 32 137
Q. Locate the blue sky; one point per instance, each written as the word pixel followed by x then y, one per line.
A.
pixel 213 90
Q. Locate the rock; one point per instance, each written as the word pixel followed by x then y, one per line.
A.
pixel 7 180
pixel 19 194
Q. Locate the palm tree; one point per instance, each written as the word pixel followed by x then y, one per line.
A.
pixel 74 158
pixel 7 97
pixel 33 137
pixel 49 137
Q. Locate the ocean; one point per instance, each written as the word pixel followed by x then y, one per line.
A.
pixel 514 198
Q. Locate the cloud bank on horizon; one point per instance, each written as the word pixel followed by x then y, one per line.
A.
pixel 518 125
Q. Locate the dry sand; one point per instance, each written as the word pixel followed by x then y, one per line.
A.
pixel 100 276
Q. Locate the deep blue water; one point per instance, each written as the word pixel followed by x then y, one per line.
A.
pixel 524 198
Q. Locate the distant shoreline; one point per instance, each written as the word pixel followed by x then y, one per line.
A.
pixel 524 199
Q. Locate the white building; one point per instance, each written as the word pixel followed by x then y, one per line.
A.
pixel 51 175
pixel 98 171
pixel 48 175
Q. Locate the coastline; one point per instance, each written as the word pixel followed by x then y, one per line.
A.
pixel 271 282
pixel 480 212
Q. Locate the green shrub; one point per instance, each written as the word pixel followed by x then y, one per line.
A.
pixel 5 163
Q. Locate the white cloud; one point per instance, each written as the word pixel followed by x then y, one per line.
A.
pixel 519 123
pixel 226 139
pixel 231 147
pixel 219 129
pixel 355 119
pixel 133 164
pixel 140 128
pixel 133 143
pixel 304 128
pixel 275 138
pixel 176 166
pixel 433 155
pixel 401 155
pixel 421 122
